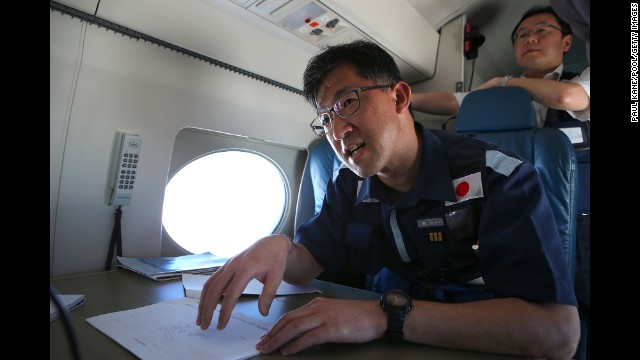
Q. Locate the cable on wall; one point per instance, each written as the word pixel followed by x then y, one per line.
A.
pixel 92 19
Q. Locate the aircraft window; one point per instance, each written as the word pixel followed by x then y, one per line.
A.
pixel 224 201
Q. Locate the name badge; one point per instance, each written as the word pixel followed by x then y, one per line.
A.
pixel 427 223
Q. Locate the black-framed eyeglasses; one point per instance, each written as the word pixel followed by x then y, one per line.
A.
pixel 540 29
pixel 346 106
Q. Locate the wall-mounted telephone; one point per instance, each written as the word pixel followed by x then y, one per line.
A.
pixel 124 168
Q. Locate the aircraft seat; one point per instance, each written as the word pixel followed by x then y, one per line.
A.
pixel 505 116
pixel 322 165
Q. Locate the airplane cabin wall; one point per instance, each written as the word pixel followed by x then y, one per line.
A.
pixel 102 82
pixel 450 69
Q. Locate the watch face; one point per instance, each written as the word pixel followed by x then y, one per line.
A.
pixel 395 299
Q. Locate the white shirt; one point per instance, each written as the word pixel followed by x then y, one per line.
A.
pixel 584 80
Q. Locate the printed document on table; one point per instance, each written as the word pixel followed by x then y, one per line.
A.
pixel 193 284
pixel 168 330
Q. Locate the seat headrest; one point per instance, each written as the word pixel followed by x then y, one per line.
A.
pixel 496 109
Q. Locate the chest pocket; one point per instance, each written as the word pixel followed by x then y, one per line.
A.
pixel 462 221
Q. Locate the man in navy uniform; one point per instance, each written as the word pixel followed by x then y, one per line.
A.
pixel 461 229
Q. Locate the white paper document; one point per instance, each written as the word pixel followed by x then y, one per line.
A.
pixel 193 284
pixel 167 268
pixel 68 302
pixel 168 330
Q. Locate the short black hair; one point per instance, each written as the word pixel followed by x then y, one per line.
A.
pixel 372 61
pixel 565 28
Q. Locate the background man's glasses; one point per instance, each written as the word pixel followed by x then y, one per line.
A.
pixel 540 29
pixel 346 106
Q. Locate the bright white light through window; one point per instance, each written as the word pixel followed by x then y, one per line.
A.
pixel 224 202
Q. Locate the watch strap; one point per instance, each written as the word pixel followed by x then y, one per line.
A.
pixel 505 80
pixel 396 314
pixel 395 324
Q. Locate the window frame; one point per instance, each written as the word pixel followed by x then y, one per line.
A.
pixel 193 143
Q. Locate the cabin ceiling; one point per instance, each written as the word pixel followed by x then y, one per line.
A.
pixel 494 18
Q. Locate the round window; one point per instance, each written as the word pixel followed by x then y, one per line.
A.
pixel 223 202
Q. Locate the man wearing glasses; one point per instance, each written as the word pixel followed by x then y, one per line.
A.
pixel 386 211
pixel 540 41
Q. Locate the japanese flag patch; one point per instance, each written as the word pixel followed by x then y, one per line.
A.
pixel 467 188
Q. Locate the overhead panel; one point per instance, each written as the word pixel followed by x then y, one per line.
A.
pixel 322 22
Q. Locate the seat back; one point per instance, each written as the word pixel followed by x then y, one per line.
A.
pixel 322 164
pixel 505 116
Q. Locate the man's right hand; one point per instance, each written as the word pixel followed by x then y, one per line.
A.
pixel 265 261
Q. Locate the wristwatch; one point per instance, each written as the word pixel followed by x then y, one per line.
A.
pixel 505 80
pixel 397 305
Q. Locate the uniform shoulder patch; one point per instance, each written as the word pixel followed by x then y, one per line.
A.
pixel 501 163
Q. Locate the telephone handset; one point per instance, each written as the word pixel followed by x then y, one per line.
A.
pixel 124 168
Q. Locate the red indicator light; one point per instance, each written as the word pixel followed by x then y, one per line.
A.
pixel 314 24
